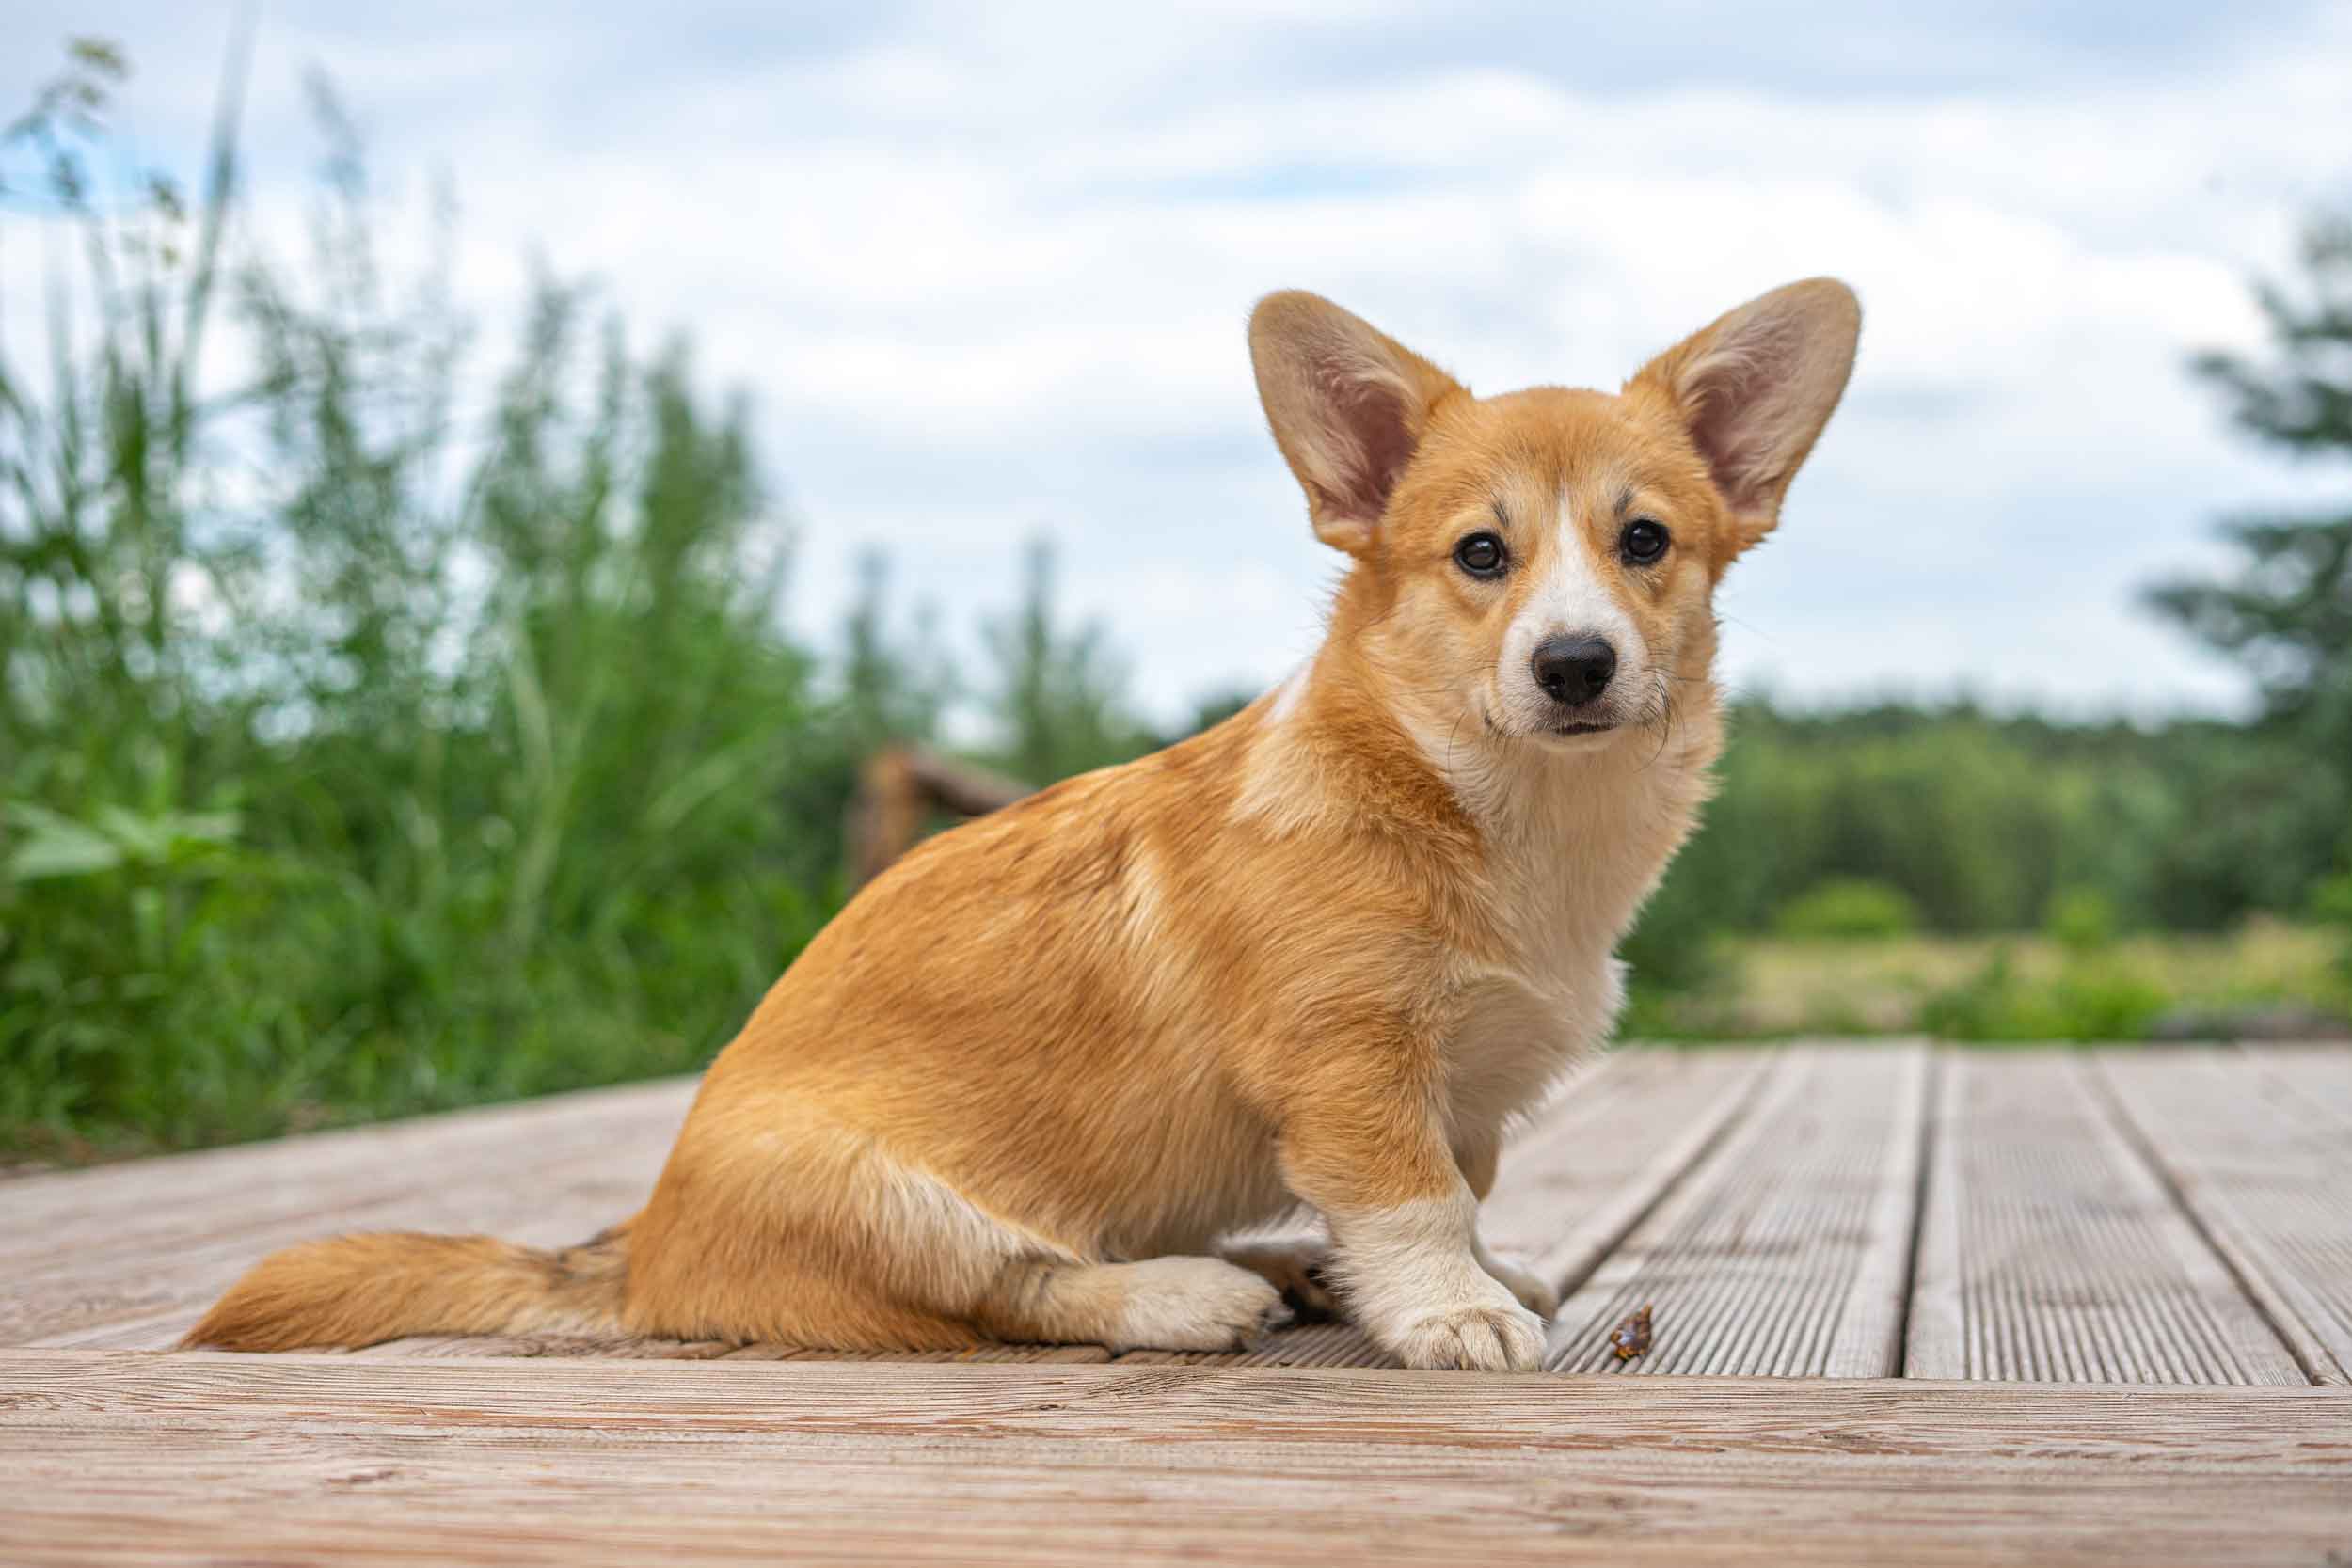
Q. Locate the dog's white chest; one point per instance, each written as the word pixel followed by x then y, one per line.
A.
pixel 1571 848
pixel 1518 1033
pixel 1547 1006
pixel 1550 998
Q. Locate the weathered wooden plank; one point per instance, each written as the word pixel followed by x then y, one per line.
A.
pixel 129 1208
pixel 1786 1249
pixel 109 1458
pixel 1570 1184
pixel 549 1346
pixel 131 1255
pixel 2266 1173
pixel 2049 1252
pixel 977 1356
pixel 1586 1169
pixel 637 1348
pixel 2320 1074
pixel 1319 1344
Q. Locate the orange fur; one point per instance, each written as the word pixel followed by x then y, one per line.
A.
pixel 1317 955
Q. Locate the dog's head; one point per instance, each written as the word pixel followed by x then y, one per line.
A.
pixel 1541 564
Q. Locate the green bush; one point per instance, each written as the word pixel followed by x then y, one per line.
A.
pixel 2087 1001
pixel 1847 909
pixel 2082 920
pixel 2331 905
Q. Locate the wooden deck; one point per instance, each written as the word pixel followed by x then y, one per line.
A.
pixel 1911 1306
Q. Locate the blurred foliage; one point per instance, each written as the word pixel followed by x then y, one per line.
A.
pixel 2263 976
pixel 359 756
pixel 1981 821
pixel 2083 1002
pixel 1851 908
pixel 2286 615
pixel 2083 920
pixel 364 753
pixel 1828 822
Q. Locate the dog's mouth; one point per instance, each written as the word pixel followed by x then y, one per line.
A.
pixel 1575 729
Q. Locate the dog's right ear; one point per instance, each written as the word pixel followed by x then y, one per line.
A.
pixel 1349 405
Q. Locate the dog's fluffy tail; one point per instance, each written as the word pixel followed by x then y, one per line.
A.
pixel 362 1289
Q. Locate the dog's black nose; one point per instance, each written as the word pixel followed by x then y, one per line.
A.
pixel 1574 668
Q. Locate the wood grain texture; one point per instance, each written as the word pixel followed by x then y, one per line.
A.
pixel 1319 1344
pixel 131 1255
pixel 2050 1252
pixel 532 1346
pixel 1587 1169
pixel 117 1458
pixel 1785 1251
pixel 2265 1171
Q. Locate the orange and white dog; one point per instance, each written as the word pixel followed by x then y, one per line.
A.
pixel 1319 955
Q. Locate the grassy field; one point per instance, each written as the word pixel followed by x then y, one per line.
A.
pixel 2266 976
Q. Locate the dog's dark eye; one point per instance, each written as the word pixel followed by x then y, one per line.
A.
pixel 1481 555
pixel 1642 541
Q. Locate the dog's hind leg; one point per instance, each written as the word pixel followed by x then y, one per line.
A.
pixel 833 1243
pixel 1200 1304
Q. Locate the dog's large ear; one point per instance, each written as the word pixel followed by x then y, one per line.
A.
pixel 1349 405
pixel 1756 389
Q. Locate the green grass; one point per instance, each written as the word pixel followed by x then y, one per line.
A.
pixel 2024 987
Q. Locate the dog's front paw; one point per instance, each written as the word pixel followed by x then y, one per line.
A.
pixel 1496 1339
pixel 1536 1296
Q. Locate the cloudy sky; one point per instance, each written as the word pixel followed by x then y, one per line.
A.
pixel 983 268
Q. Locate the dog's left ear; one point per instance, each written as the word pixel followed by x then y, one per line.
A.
pixel 1754 389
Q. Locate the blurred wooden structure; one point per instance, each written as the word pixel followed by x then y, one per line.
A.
pixel 900 788
pixel 1911 1306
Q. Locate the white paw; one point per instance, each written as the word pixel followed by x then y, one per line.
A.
pixel 1536 1296
pixel 1496 1338
pixel 1196 1303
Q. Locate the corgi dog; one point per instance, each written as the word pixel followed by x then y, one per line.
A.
pixel 1030 1081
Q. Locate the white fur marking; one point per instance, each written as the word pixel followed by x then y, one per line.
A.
pixel 1288 695
pixel 1413 1274
pixel 917 1209
pixel 1190 1304
pixel 1571 601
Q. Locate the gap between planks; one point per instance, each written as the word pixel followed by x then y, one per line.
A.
pixel 2264 1172
pixel 2050 1249
pixel 1787 1250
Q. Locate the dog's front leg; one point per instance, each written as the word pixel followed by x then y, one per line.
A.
pixel 1404 1246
